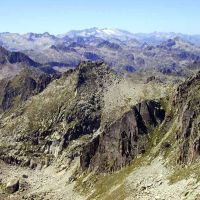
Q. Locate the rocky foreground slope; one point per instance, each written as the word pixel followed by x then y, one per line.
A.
pixel 84 134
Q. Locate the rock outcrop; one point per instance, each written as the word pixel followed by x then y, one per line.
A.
pixel 187 105
pixel 123 140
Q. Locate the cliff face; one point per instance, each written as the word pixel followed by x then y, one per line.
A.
pixel 187 103
pixel 123 140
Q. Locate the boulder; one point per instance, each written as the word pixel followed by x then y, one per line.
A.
pixel 12 186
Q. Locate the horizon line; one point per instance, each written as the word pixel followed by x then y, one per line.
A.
pixel 120 29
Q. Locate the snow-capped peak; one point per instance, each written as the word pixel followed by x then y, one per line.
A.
pixel 101 32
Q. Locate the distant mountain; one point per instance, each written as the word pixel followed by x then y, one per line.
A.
pixel 121 50
pixel 29 82
pixel 18 42
pixel 157 37
pixel 104 33
pixel 151 38
pixel 11 63
pixel 15 57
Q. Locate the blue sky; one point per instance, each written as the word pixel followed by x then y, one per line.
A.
pixel 60 16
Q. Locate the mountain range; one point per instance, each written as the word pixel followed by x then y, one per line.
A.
pixel 121 50
pixel 99 114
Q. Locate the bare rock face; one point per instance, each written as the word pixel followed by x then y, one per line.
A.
pixel 123 140
pixel 187 102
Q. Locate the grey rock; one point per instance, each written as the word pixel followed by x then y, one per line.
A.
pixel 12 186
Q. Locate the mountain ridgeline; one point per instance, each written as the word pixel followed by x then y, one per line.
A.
pixel 75 101
pixel 123 51
pixel 123 124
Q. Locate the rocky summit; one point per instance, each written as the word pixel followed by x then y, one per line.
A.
pixel 98 132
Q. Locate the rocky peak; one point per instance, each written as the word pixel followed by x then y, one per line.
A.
pixel 96 75
pixel 15 57
pixel 34 36
pixel 92 79
pixel 71 109
pixel 109 45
